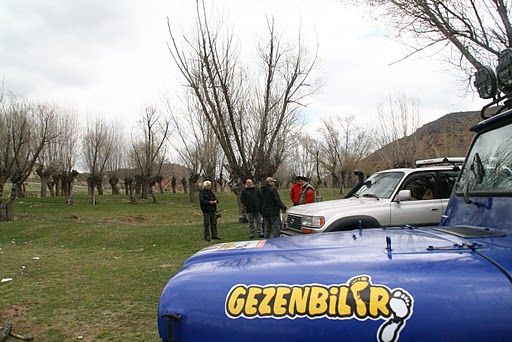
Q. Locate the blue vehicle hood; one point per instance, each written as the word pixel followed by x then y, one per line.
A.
pixel 368 285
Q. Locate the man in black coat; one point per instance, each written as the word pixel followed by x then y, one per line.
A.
pixel 271 204
pixel 250 198
pixel 208 203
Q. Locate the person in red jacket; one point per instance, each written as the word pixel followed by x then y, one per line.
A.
pixel 295 191
pixel 307 191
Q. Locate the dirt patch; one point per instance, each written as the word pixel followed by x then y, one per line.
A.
pixel 167 266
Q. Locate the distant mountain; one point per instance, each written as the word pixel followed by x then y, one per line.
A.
pixel 448 136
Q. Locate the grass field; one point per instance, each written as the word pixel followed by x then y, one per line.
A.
pixel 96 272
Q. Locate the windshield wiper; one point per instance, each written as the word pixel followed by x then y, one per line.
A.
pixel 371 195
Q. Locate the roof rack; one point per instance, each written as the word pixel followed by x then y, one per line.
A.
pixel 454 161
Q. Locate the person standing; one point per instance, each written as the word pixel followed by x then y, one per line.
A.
pixel 295 191
pixel 271 204
pixel 307 191
pixel 250 198
pixel 208 203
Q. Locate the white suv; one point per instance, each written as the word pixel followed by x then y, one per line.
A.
pixel 388 198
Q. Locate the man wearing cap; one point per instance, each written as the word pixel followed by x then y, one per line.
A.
pixel 307 191
pixel 271 204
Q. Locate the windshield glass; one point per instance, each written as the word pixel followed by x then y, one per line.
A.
pixel 489 165
pixel 380 185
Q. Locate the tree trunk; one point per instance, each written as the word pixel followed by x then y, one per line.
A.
pixel 152 193
pixel 113 184
pixel 57 185
pixel 69 199
pixel 44 176
pixel 138 184
pixel 69 186
pixel 184 184
pixel 99 186
pixel 133 199
pixel 127 183
pixel 21 190
pixel 51 187
pixel 173 184
pixel 93 194
pixel 6 213
pixel 236 188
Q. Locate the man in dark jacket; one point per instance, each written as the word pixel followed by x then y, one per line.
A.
pixel 208 204
pixel 250 198
pixel 270 206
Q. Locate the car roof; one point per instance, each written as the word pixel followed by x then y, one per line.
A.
pixel 422 169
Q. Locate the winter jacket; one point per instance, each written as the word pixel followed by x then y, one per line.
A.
pixel 205 196
pixel 270 201
pixel 250 198
pixel 307 194
pixel 295 193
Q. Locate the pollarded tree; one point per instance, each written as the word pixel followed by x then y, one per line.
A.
pixel 98 146
pixel 149 148
pixel 25 129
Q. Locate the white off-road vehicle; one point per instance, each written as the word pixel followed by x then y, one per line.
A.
pixel 415 196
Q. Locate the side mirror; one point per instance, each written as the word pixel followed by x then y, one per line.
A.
pixel 403 195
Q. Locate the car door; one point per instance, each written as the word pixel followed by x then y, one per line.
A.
pixel 446 180
pixel 424 208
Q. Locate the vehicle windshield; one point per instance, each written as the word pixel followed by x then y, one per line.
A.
pixel 380 185
pixel 489 165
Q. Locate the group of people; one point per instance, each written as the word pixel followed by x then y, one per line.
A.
pixel 262 206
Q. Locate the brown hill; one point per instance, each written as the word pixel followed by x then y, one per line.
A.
pixel 448 136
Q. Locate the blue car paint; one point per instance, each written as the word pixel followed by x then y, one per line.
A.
pixel 447 287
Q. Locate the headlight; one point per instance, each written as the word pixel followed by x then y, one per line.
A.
pixel 313 221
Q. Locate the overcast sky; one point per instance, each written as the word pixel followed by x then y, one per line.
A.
pixel 109 57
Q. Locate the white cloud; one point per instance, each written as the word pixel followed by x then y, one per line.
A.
pixel 110 57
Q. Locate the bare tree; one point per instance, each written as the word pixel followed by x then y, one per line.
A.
pixel 398 118
pixel 301 159
pixel 116 161
pixel 25 129
pixel 251 120
pixel 148 149
pixel 197 145
pixel 98 146
pixel 344 145
pixel 476 31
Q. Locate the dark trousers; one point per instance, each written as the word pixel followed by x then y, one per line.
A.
pixel 210 223
pixel 272 225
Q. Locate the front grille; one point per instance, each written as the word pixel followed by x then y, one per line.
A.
pixel 294 222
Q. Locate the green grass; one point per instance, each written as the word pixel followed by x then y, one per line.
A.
pixel 101 268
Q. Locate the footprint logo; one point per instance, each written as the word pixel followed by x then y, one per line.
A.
pixel 401 304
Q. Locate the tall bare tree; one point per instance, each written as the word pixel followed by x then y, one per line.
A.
pixel 398 118
pixel 251 118
pixel 58 158
pixel 25 129
pixel 149 148
pixel 475 31
pixel 191 132
pixel 344 145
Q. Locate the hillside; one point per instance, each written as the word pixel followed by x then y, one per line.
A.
pixel 447 136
